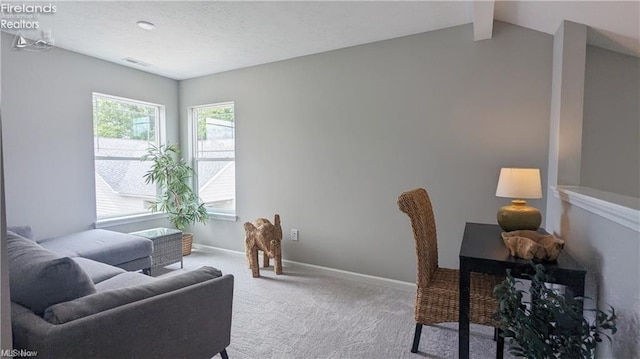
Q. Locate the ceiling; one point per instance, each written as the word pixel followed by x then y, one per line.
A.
pixel 195 38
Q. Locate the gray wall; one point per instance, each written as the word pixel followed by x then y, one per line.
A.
pixel 48 141
pixel 329 141
pixel 611 127
pixel 609 251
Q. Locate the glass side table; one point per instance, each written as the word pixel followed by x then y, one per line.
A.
pixel 167 246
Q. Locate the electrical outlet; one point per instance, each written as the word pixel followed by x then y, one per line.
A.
pixel 294 234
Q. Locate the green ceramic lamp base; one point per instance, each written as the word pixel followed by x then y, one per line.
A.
pixel 519 216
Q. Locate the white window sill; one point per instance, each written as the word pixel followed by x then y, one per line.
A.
pixel 135 218
pixel 621 209
pixel 221 216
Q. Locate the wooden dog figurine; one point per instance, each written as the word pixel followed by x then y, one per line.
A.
pixel 266 237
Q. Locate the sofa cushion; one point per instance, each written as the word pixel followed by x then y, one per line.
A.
pixel 127 279
pixel 39 278
pixel 102 301
pixel 101 245
pixel 97 271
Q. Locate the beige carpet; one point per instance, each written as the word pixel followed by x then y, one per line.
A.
pixel 309 314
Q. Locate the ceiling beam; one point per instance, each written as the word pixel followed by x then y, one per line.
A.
pixel 482 19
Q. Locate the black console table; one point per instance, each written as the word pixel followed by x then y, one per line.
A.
pixel 483 251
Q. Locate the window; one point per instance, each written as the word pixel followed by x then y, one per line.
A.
pixel 213 146
pixel 122 131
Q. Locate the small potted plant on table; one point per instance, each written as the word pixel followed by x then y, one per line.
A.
pixel 173 176
pixel 550 325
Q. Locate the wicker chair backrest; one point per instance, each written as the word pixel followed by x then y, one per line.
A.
pixel 417 205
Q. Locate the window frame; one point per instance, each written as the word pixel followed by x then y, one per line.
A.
pixel 160 134
pixel 214 212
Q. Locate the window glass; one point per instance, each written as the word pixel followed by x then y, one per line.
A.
pixel 122 131
pixel 213 143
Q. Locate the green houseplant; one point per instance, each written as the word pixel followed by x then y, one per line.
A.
pixel 551 325
pixel 173 176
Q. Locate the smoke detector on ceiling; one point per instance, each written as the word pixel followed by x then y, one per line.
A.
pixel 136 62
pixel 146 25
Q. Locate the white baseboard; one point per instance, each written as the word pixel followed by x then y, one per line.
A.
pixel 398 284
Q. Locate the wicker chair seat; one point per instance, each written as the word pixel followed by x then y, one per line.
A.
pixel 439 301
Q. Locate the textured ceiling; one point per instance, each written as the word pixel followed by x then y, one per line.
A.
pixel 196 38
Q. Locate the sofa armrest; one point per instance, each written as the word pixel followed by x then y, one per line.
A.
pixel 192 322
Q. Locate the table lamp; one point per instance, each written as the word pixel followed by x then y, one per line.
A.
pixel 519 184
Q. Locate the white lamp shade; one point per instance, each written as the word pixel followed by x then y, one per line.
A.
pixel 519 183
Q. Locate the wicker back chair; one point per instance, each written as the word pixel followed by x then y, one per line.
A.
pixel 437 299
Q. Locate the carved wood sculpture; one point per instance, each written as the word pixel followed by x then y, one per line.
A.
pixel 532 245
pixel 266 237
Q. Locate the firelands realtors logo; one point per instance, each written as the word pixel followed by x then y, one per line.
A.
pixel 24 17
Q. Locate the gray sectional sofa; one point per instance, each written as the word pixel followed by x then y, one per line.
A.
pixel 70 306
pixel 122 250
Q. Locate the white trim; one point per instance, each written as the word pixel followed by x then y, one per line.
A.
pixel 191 146
pixel 161 139
pixel 134 218
pixel 117 158
pixel 365 278
pixel 125 99
pixel 212 249
pixel 482 19
pixel 621 209
pixel 214 105
pixel 142 217
pixel 192 132
pixel 223 216
pixel 161 125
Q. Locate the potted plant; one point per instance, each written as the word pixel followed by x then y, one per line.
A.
pixel 173 176
pixel 550 325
